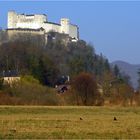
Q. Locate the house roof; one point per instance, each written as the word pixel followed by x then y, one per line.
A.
pixel 10 73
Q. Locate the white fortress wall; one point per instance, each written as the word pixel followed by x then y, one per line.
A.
pixel 28 25
pixel 73 31
pixel 30 21
pixel 51 27
pixel 25 21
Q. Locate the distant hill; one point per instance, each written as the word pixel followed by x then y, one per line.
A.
pixel 129 69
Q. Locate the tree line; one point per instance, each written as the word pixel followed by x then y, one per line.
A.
pixel 93 80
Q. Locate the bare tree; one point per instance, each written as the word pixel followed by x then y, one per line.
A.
pixel 85 87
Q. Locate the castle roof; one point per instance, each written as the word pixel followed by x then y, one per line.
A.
pixel 53 23
pixel 29 15
pixel 74 25
pixel 26 29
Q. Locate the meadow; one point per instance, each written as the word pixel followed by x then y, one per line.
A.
pixel 69 122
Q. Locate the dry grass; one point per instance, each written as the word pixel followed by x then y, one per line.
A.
pixel 32 122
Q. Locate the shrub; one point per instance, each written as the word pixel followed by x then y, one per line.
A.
pixel 31 92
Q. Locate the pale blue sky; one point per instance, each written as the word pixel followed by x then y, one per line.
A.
pixel 112 27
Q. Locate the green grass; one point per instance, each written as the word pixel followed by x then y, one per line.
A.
pixel 39 122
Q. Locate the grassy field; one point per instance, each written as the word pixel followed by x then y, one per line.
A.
pixel 28 122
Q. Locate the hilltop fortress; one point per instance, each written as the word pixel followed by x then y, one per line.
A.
pixel 39 24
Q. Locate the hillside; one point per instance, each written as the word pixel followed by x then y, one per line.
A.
pixel 49 64
pixel 129 69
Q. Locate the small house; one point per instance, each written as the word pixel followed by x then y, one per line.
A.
pixel 10 77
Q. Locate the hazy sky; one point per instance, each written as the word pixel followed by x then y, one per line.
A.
pixel 112 27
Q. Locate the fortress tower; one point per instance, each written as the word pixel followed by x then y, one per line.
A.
pixel 12 19
pixel 64 25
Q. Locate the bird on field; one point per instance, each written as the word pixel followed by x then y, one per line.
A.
pixel 81 119
pixel 115 119
pixel 13 130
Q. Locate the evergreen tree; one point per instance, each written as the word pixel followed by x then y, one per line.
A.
pixel 116 71
pixel 139 79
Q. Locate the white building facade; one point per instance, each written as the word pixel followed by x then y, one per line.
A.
pixel 38 21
